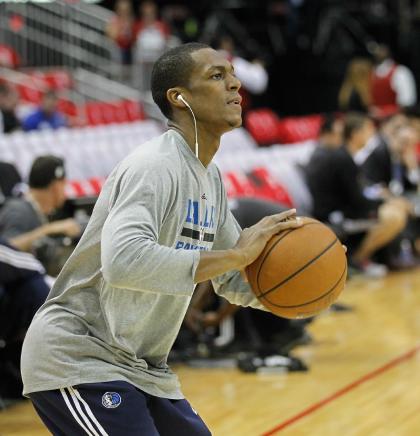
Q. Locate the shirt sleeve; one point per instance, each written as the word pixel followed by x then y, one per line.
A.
pixel 132 257
pixel 405 86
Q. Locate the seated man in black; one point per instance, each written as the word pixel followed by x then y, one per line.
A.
pixel 334 181
pixel 392 160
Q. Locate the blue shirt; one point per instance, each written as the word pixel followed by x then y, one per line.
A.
pixel 39 120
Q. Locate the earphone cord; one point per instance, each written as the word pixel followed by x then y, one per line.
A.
pixel 195 130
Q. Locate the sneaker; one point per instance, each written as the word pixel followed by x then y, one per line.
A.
pixel 270 364
pixel 340 307
pixel 370 269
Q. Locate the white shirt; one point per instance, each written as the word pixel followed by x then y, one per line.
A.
pixel 402 82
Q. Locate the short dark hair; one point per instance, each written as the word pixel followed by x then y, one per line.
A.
pixel 44 170
pixel 353 122
pixel 172 69
pixel 327 124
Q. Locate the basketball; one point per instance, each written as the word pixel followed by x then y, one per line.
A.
pixel 300 272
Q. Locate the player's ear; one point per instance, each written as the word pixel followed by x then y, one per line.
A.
pixel 172 95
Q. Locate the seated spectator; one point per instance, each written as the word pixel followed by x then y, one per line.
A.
pixel 391 164
pixel 23 288
pixel 334 181
pixel 46 116
pixel 26 219
pixel 8 102
pixel 392 161
pixel 121 30
pixel 393 84
pixel 355 92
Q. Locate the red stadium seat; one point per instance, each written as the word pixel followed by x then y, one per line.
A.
pixel 67 107
pixel 257 183
pixel 113 112
pixel 298 129
pixel 94 114
pixel 262 125
pixel 29 93
pixel 54 79
pixel 134 110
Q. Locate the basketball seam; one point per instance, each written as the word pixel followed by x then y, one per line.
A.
pixel 291 276
pixel 265 257
pixel 316 299
pixel 271 249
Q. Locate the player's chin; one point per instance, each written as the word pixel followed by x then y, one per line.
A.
pixel 234 121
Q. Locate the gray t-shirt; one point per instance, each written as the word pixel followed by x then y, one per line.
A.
pixel 117 306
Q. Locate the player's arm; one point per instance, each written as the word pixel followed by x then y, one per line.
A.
pixel 250 244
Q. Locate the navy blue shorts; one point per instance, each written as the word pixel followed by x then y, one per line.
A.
pixel 115 409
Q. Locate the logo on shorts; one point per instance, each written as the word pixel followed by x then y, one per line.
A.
pixel 111 400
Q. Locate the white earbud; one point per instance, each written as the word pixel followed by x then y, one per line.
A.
pixel 181 98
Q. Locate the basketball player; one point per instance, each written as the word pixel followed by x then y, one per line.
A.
pixel 94 359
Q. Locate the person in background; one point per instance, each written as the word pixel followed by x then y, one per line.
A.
pixel 391 165
pixel 25 220
pixel 151 34
pixel 151 40
pixel 355 92
pixel 334 181
pixel 9 98
pixel 391 160
pixel 46 116
pixel 393 84
pixel 120 30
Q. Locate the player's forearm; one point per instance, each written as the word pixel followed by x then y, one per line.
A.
pixel 215 263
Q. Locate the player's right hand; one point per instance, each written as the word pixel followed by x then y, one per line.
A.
pixel 252 240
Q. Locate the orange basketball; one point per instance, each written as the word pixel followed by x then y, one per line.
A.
pixel 300 272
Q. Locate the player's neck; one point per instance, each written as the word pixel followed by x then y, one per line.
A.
pixel 208 142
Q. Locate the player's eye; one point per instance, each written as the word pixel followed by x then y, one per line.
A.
pixel 217 76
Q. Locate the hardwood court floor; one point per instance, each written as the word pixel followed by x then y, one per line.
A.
pixel 364 376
